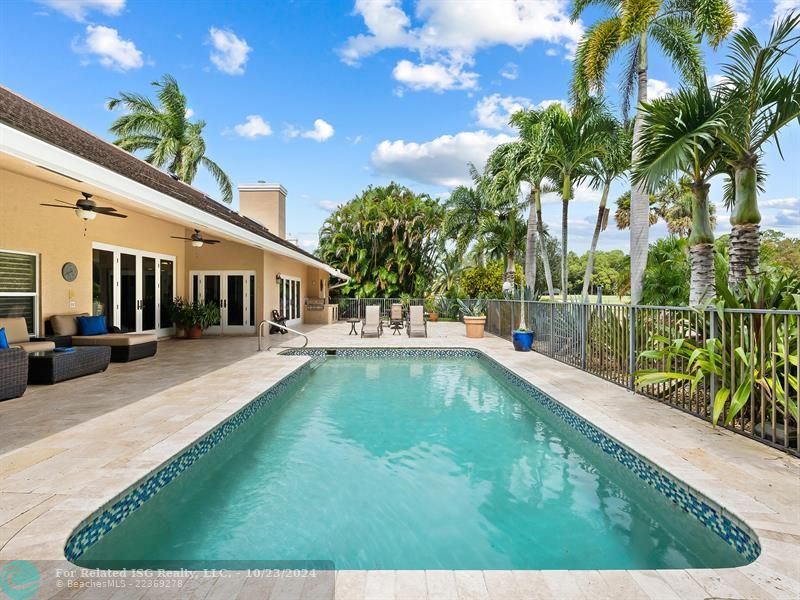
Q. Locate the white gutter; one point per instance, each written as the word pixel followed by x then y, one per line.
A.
pixel 35 151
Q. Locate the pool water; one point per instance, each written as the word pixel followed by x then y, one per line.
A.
pixel 411 464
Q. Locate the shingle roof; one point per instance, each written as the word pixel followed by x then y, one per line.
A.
pixel 28 117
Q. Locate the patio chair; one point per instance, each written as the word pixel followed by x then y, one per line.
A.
pixel 371 326
pixel 417 325
pixel 13 373
pixel 125 347
pixel 396 322
pixel 18 336
pixel 280 320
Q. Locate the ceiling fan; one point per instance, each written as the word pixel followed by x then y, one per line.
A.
pixel 86 208
pixel 197 239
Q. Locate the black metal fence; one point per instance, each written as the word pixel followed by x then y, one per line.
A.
pixel 355 308
pixel 743 361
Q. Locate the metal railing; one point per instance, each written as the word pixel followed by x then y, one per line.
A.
pixel 752 354
pixel 261 334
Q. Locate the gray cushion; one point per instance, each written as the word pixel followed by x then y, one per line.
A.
pixel 65 324
pixel 114 339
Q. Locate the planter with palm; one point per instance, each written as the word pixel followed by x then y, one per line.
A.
pixel 676 27
pixel 164 130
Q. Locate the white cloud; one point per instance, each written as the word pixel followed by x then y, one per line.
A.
pixel 329 205
pixel 109 49
pixel 510 71
pixel 321 132
pixel 441 161
pixel 438 76
pixel 355 140
pixel 741 13
pixel 494 111
pixel 230 51
pixel 189 113
pixel 657 89
pixel 253 127
pixel 546 103
pixel 779 203
pixel 581 193
pixel 783 7
pixel 79 9
pixel 551 52
pixel 785 218
pixel 449 33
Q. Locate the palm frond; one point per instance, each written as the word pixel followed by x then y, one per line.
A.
pixel 225 185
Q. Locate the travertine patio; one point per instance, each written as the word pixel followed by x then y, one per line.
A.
pixel 67 449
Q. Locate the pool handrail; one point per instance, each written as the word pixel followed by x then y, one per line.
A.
pixel 260 333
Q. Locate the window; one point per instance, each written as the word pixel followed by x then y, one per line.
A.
pixel 19 287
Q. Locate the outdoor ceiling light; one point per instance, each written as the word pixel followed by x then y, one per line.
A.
pixel 197 243
pixel 278 278
pixel 86 215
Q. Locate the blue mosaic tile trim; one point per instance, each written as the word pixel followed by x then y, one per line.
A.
pixel 116 511
pixel 729 528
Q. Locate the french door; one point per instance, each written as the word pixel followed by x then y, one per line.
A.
pixel 235 294
pixel 133 288
pixel 289 299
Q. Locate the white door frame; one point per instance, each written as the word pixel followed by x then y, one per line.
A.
pixel 224 327
pixel 139 254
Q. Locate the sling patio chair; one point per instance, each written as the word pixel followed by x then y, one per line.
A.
pixel 417 325
pixel 371 326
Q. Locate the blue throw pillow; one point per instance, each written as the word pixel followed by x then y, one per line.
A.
pixel 3 339
pixel 92 325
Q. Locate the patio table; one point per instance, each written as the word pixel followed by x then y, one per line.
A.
pixel 353 323
pixel 52 367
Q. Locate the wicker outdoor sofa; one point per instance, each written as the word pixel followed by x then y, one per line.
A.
pixel 125 347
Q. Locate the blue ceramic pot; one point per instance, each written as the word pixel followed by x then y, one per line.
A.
pixel 523 340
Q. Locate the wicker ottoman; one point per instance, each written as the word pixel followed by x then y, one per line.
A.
pixel 52 367
pixel 13 373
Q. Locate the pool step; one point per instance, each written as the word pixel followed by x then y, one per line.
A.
pixel 315 363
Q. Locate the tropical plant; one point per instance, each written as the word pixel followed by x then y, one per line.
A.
pixel 386 239
pixel 753 358
pixel 172 140
pixel 675 200
pixel 574 138
pixel 601 172
pixel 622 214
pixel 187 314
pixel 760 101
pixel 675 26
pixel 678 136
pixel 486 281
pixel 464 210
pixel 668 272
pixel 472 308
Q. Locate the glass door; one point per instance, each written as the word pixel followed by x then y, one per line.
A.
pixel 133 289
pixel 289 299
pixel 233 292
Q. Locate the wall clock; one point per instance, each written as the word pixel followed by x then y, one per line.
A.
pixel 69 271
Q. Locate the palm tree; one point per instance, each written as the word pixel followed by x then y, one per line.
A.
pixel 760 101
pixel 675 200
pixel 502 237
pixel 679 135
pixel 573 139
pixel 622 214
pixel 463 212
pixel 672 25
pixel 601 172
pixel 527 158
pixel 164 130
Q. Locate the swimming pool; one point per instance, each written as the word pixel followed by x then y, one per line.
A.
pixel 412 460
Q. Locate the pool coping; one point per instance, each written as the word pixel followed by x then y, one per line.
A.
pixel 728 526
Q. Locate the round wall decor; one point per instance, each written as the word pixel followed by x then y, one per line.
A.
pixel 69 271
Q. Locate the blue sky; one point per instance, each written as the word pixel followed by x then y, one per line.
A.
pixel 329 97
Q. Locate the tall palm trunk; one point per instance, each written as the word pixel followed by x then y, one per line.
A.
pixel 745 233
pixel 701 248
pixel 509 274
pixel 548 276
pixel 640 200
pixel 587 276
pixel 531 247
pixel 565 197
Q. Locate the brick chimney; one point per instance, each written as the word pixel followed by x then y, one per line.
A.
pixel 266 204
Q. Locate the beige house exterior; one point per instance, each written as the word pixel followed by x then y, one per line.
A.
pixel 129 269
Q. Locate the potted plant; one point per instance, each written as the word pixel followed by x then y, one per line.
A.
pixel 194 317
pixel 522 337
pixel 430 308
pixel 474 319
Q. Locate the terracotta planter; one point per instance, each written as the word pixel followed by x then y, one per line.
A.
pixel 434 316
pixel 474 326
pixel 194 332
